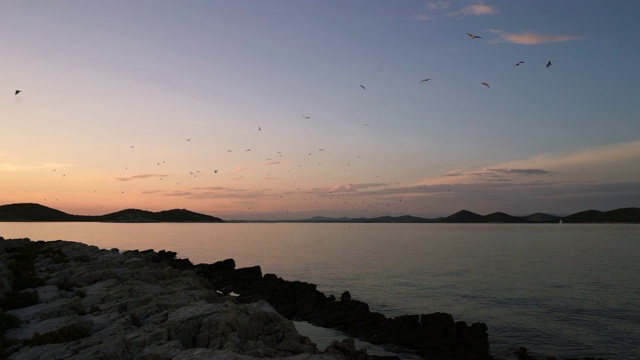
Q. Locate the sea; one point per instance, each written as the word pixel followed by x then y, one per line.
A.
pixel 564 290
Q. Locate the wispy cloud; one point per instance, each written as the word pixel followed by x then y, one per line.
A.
pixel 140 176
pixel 616 162
pixel 422 17
pixel 477 9
pixel 531 38
pixel 439 5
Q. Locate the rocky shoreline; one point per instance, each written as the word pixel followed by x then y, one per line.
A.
pixel 68 300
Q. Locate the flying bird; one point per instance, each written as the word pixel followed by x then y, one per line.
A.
pixel 474 36
pixel 259 129
pixel 306 117
pixel 518 63
pixel 425 80
pixel 549 64
pixel 485 84
pixel 18 92
pixel 188 139
pixel 215 171
pixel 362 86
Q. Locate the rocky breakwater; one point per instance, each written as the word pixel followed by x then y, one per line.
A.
pixel 433 336
pixel 66 300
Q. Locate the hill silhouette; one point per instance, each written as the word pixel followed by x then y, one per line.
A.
pixel 624 215
pixel 37 213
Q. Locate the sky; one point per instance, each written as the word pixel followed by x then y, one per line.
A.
pixel 271 109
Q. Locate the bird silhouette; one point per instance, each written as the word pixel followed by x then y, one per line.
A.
pixel 18 92
pixel 362 86
pixel 425 80
pixel 518 63
pixel 485 84
pixel 306 117
pixel 549 64
pixel 259 129
pixel 215 171
pixel 474 36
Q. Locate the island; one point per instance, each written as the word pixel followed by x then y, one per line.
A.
pixel 31 212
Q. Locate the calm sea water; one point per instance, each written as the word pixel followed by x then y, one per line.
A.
pixel 563 290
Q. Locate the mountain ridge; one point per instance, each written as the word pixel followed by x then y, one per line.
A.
pixel 33 212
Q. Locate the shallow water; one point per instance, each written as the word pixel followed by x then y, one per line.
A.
pixel 563 290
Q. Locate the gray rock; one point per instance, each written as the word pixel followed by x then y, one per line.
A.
pixel 138 309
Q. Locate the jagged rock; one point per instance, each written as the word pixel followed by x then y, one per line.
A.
pixel 134 306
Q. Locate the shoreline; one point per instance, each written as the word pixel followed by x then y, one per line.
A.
pixel 67 271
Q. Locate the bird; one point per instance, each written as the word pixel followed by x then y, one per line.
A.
pixel 188 139
pixel 425 80
pixel 215 171
pixel 474 36
pixel 485 84
pixel 18 92
pixel 362 86
pixel 518 63
pixel 248 150
pixel 306 117
pixel 549 63
pixel 259 128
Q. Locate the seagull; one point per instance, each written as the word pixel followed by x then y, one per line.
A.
pixel 518 63
pixel 485 84
pixel 474 36
pixel 549 64
pixel 425 80
pixel 362 86
pixel 188 139
pixel 18 92
pixel 306 117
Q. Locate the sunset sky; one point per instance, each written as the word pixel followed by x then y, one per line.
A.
pixel 137 104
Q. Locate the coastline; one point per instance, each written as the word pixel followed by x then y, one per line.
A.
pixel 138 302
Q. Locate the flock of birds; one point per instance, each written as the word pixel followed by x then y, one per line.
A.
pixel 306 196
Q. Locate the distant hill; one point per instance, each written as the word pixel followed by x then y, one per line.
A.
pixel 624 215
pixel 37 212
pixel 541 218
pixel 175 215
pixel 463 216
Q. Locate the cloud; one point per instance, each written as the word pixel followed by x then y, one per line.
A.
pixel 438 5
pixel 346 188
pixel 524 172
pixel 603 164
pixel 240 168
pixel 530 38
pixel 477 9
pixel 422 17
pixel 141 176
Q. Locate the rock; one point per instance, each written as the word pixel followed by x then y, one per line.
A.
pixel 134 306
pixel 434 336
